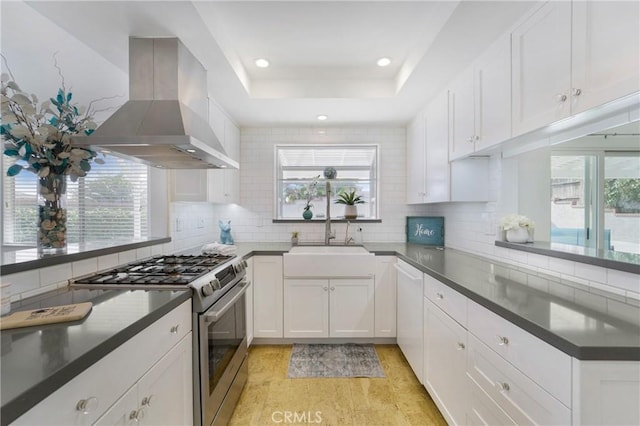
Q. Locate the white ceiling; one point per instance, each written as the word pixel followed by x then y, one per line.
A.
pixel 322 53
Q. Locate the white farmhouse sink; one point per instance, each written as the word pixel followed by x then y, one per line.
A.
pixel 328 262
pixel 348 250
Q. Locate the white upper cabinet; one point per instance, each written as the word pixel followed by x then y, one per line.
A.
pixel 462 116
pixel 437 173
pixel 481 102
pixel 212 185
pixel 416 160
pixel 605 57
pixel 569 57
pixel 541 68
pixel 492 74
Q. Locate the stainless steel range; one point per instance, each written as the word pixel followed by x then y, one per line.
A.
pixel 218 284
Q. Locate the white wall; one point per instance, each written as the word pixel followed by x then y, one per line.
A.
pixel 252 219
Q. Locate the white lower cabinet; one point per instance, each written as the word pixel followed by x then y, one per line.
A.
pixel 329 307
pixel 410 319
pixel 445 363
pixel 249 301
pixel 519 396
pixel 484 411
pixel 385 295
pixel 156 363
pixel 267 296
pixel 162 396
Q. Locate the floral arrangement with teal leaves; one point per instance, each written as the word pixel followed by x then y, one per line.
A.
pixel 38 136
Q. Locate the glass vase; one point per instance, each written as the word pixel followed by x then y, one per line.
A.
pixel 52 214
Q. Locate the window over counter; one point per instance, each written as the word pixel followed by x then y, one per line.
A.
pixel 595 200
pixel 109 204
pixel 300 179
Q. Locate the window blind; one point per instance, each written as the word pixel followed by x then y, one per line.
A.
pixel 109 204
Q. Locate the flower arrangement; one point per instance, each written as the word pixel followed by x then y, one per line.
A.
pixel 39 136
pixel 514 221
pixel 311 191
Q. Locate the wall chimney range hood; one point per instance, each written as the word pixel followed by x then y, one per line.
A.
pixel 162 124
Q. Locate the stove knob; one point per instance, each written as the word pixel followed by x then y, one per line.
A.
pixel 215 284
pixel 207 290
pixel 245 265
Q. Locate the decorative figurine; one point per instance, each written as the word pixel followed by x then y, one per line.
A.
pixel 225 232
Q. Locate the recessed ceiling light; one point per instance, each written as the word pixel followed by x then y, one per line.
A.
pixel 322 117
pixel 106 151
pixel 262 63
pixel 191 150
pixel 383 62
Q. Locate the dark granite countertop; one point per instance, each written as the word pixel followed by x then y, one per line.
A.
pixel 26 259
pixel 585 323
pixel 36 361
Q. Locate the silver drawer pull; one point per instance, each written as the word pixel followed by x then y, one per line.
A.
pixel 440 296
pixel 503 386
pixel 147 400
pixel 503 340
pixel 137 415
pixel 174 329
pixel 461 346
pixel 87 405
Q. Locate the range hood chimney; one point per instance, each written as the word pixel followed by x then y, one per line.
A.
pixel 161 125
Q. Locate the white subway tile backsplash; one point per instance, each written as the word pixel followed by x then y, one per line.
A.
pixel 55 274
pixel 563 266
pixel 108 261
pixel 84 267
pixel 624 280
pixel 22 282
pixel 126 257
pixel 144 252
pixel 590 272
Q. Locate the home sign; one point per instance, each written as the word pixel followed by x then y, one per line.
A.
pixel 425 230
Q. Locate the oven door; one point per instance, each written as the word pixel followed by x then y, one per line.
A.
pixel 223 350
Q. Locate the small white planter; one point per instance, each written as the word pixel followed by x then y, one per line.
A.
pixel 350 211
pixel 518 235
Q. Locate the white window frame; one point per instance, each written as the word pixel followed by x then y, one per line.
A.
pixel 375 180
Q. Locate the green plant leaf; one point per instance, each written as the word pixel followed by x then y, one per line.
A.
pixel 14 170
pixel 11 152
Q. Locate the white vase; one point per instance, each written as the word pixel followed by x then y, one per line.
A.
pixel 518 235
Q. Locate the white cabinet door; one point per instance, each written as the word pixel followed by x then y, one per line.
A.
pixel 445 360
pixel 351 302
pixel 166 390
pixel 188 185
pixel 605 52
pixel 125 412
pixel 541 68
pixel 461 100
pixel 493 94
pixel 306 308
pixel 385 297
pixel 437 171
pixel 249 301
pixel 267 296
pixel 410 318
pixel 416 160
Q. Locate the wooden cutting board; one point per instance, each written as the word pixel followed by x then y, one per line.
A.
pixel 42 316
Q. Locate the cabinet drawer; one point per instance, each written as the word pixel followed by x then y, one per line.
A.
pixel 107 380
pixel 447 299
pixel 483 411
pixel 546 365
pixel 519 396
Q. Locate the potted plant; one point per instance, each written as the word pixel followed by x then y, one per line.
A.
pixel 294 238
pixel 517 228
pixel 349 199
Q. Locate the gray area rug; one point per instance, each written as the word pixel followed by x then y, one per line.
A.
pixel 338 360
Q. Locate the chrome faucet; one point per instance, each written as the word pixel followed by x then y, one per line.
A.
pixel 347 239
pixel 328 235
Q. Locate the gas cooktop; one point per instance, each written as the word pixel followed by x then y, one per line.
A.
pixel 161 271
